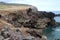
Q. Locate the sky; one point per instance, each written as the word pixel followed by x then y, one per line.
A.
pixel 42 5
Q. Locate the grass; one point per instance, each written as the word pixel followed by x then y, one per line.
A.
pixel 12 5
pixel 4 6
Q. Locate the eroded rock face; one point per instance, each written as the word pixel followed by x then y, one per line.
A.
pixel 7 34
pixel 29 18
pixel 35 21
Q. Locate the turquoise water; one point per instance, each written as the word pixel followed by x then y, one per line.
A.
pixel 53 33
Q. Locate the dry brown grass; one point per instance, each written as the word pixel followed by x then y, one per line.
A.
pixel 12 8
pixel 4 23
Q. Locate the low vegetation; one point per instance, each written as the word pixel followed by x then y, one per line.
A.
pixel 13 6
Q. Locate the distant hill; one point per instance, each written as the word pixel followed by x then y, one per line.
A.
pixel 56 12
pixel 2 2
pixel 14 6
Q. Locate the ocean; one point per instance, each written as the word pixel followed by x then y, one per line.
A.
pixel 57 18
pixel 55 34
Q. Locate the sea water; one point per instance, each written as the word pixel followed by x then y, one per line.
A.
pixel 53 33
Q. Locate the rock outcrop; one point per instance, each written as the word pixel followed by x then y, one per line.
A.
pixel 30 24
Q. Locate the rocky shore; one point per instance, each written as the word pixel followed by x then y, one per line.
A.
pixel 26 24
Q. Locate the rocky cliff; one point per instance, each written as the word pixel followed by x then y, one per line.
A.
pixel 25 24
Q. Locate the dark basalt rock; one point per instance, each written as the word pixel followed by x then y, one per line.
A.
pixel 46 14
pixel 10 35
pixel 19 18
pixel 36 21
pixel 34 33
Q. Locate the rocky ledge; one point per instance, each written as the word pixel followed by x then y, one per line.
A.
pixel 25 24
